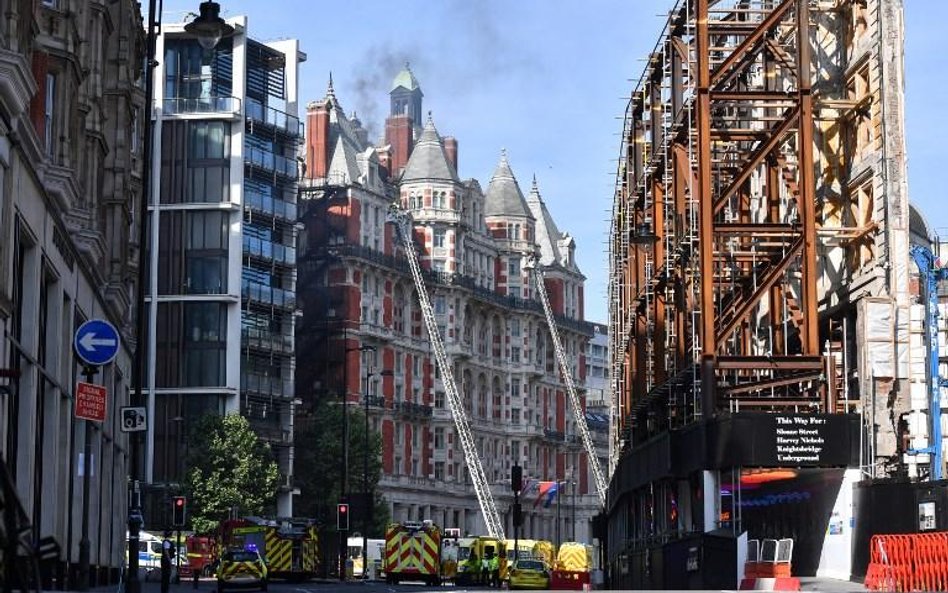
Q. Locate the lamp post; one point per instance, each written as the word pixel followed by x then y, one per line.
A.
pixel 343 547
pixel 209 29
pixel 368 497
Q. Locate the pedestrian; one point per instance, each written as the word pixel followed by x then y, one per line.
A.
pixel 473 568
pixel 495 571
pixel 485 568
pixel 166 548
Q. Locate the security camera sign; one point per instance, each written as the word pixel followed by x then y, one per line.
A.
pixel 134 419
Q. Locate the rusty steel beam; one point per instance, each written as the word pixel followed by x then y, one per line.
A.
pixel 773 383
pixel 770 363
pixel 807 181
pixel 706 201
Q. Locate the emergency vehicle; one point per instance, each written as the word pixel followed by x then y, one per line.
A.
pixel 290 547
pixel 242 568
pixel 571 570
pixel 413 553
pixel 202 555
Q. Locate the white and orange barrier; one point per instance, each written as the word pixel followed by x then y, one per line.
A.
pixel 768 566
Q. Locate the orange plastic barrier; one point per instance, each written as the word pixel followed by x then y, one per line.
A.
pixel 912 562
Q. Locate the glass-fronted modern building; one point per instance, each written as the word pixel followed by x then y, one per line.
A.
pixel 222 248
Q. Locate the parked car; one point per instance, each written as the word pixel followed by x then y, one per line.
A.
pixel 529 574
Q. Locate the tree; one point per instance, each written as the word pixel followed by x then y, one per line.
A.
pixel 228 467
pixel 317 442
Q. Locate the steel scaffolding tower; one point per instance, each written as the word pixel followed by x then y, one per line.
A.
pixel 713 239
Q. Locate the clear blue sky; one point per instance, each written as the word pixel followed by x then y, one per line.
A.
pixel 545 80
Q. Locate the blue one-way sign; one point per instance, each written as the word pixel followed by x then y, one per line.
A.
pixel 96 342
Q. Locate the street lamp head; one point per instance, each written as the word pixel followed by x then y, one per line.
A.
pixel 209 27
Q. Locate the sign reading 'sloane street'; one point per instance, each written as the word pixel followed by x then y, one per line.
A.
pixel 800 438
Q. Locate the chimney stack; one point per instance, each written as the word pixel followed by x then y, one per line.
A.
pixel 451 151
pixel 317 139
pixel 399 135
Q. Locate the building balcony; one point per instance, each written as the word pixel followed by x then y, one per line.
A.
pixel 271 432
pixel 268 250
pixel 271 163
pixel 265 385
pixel 423 215
pixel 281 121
pixel 554 436
pixel 459 349
pixel 375 401
pixel 269 295
pixel 201 105
pixel 276 208
pixel 413 410
pixel 377 331
pixel 266 340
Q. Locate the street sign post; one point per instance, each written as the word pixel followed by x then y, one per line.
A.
pixel 96 342
pixel 91 401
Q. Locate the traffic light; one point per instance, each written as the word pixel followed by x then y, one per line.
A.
pixel 516 478
pixel 342 516
pixel 178 511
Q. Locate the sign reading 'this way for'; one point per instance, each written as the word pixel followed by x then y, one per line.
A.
pixel 801 438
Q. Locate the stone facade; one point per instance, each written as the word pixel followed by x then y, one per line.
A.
pixel 356 290
pixel 71 114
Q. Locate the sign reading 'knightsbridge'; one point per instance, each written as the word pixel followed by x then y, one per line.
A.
pixel 800 439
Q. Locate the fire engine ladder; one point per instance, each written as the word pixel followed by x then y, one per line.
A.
pixel 495 526
pixel 601 484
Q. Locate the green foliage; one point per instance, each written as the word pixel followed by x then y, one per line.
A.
pixel 228 467
pixel 318 467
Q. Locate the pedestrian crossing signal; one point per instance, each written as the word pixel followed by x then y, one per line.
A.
pixel 178 511
pixel 342 517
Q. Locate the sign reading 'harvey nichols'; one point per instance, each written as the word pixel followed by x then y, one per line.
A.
pixel 800 439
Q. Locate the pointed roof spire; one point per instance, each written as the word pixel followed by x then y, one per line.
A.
pixel 405 79
pixel 547 235
pixel 504 197
pixel 428 159
pixel 330 92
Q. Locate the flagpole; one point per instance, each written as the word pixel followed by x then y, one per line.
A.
pixel 557 516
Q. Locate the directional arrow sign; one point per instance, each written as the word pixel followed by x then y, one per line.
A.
pixel 96 342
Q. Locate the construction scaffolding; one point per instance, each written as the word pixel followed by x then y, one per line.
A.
pixel 713 246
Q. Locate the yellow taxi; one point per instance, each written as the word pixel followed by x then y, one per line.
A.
pixel 529 574
pixel 242 569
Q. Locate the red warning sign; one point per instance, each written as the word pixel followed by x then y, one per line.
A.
pixel 91 401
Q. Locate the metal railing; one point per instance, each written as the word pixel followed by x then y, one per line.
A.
pixel 186 105
pixel 253 291
pixel 413 409
pixel 272 206
pixel 268 161
pixel 259 112
pixel 270 250
pixel 267 385
pixel 266 340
